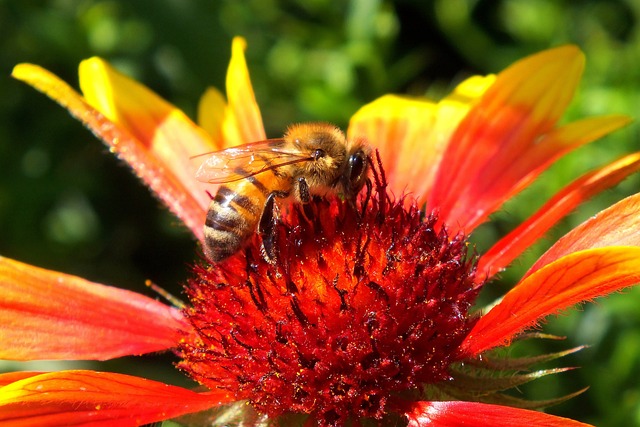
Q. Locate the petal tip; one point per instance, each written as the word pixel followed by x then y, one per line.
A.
pixel 91 65
pixel 570 56
pixel 238 43
pixel 569 53
pixel 24 71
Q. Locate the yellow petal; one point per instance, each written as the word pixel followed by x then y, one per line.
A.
pixel 140 110
pixel 400 129
pixel 154 166
pixel 164 130
pixel 211 111
pixel 49 84
pixel 243 122
pixel 470 90
pixel 411 134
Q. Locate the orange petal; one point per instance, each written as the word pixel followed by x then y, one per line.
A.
pixel 618 225
pixel 571 279
pixel 561 204
pixel 538 157
pixel 152 158
pixel 464 414
pixel 411 134
pixel 518 109
pixel 503 182
pixel 243 122
pixel 92 398
pixel 51 315
pixel 11 377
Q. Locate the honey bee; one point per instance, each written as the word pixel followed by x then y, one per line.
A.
pixel 312 159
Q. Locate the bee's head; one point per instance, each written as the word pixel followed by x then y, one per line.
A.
pixel 337 165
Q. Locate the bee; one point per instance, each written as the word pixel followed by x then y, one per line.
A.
pixel 312 159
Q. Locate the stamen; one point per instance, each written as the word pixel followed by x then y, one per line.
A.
pixel 363 303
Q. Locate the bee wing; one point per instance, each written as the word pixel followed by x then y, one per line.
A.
pixel 243 161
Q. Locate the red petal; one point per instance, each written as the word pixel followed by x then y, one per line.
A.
pixel 50 315
pixel 176 188
pixel 574 278
pixel 465 414
pixel 514 243
pixel 88 398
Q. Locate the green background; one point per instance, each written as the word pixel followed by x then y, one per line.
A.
pixel 66 204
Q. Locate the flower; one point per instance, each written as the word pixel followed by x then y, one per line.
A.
pixel 367 311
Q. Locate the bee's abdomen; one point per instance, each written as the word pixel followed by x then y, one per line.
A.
pixel 231 221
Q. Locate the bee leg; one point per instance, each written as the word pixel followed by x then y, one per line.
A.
pixel 302 189
pixel 367 199
pixel 267 227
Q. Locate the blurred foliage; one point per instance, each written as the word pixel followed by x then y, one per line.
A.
pixel 66 204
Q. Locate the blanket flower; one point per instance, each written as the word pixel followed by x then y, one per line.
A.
pixel 367 315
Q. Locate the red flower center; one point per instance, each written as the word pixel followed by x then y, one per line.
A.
pixel 362 303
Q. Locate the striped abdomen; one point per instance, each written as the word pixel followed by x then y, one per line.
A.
pixel 234 214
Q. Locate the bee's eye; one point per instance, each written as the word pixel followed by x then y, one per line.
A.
pixel 357 165
pixel 318 154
